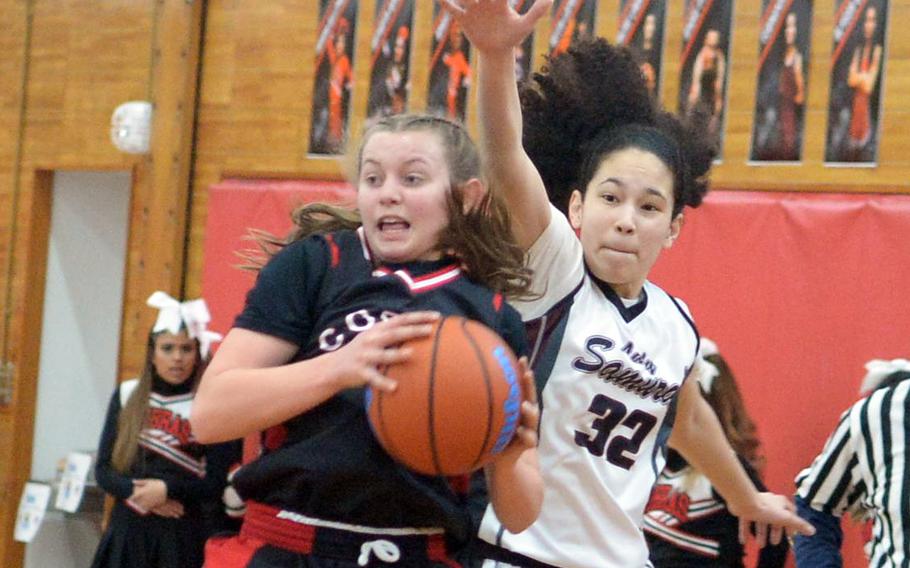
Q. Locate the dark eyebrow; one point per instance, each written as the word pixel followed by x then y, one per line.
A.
pixel 656 193
pixel 649 190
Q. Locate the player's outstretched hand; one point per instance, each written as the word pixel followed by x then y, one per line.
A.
pixel 492 25
pixel 359 362
pixel 773 515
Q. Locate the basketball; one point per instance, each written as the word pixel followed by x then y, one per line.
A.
pixel 457 403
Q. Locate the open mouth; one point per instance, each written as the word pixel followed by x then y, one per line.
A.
pixel 393 225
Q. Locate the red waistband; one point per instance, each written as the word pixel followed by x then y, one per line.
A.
pixel 285 530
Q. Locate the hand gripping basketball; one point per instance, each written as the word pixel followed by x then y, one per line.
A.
pixel 458 400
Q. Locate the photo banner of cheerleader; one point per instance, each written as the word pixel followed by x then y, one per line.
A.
pixel 570 19
pixel 641 26
pixel 784 41
pixel 857 73
pixel 334 76
pixel 705 61
pixel 450 67
pixel 390 65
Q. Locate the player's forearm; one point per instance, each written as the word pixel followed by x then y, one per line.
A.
pixel 698 436
pixel 516 490
pixel 500 109
pixel 511 170
pixel 236 402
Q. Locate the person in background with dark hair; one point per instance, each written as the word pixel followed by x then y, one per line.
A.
pixel 687 523
pixel 791 93
pixel 167 486
pixel 341 78
pixel 397 83
pixel 862 470
pixel 597 179
pixel 459 72
pixel 706 93
pixel 648 52
pixel 862 79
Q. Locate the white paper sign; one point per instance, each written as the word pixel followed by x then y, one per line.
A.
pixel 72 482
pixel 32 505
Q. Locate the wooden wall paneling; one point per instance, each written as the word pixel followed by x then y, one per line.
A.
pixel 82 59
pixel 161 196
pixel 85 60
pixel 33 221
pixel 13 69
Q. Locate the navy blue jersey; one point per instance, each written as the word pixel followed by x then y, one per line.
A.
pixel 319 293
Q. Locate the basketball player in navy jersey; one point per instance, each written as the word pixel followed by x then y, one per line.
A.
pixel 317 328
pixel 612 350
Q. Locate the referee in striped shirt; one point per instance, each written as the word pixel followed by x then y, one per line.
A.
pixel 862 470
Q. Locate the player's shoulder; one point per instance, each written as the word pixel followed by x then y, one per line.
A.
pixel 660 299
pixel 321 250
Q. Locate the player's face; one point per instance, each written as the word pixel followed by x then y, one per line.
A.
pixel 790 29
pixel 401 194
pixel 712 39
pixel 625 218
pixel 650 26
pixel 174 357
pixel 869 24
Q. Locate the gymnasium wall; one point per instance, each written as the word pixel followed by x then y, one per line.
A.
pixel 232 82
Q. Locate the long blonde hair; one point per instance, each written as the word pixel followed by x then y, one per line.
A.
pixel 134 413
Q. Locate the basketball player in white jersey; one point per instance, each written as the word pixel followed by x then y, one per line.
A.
pixel 612 351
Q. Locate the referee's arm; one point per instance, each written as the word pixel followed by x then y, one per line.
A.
pixel 830 486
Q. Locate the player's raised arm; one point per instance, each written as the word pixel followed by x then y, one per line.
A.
pixel 494 28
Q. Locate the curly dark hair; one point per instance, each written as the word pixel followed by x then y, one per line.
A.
pixel 591 101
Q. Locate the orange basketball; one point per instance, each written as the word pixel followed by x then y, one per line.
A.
pixel 457 403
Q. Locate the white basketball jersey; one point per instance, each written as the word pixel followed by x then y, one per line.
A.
pixel 612 374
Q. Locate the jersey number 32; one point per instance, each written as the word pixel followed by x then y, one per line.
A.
pixel 619 450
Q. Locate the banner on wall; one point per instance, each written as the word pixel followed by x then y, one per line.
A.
pixel 390 66
pixel 641 26
pixel 857 71
pixel 570 20
pixel 707 25
pixel 450 67
pixel 334 76
pixel 785 32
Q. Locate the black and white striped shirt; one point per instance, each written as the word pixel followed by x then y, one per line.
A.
pixel 863 470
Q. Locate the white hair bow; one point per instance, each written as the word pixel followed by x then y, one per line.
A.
pixel 877 370
pixel 707 371
pixel 194 314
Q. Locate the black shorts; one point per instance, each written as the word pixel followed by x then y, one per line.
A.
pixel 273 538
